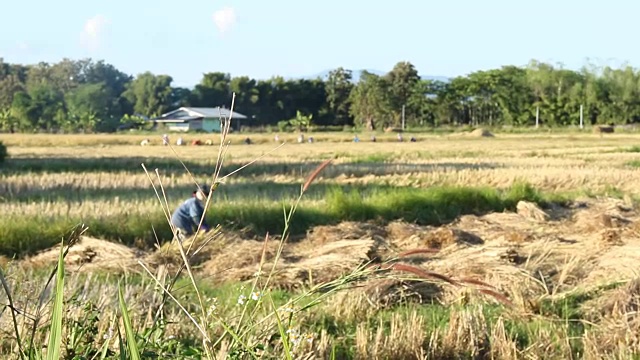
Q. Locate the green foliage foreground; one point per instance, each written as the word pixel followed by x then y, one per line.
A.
pixel 428 206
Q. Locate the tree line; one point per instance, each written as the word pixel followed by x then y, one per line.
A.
pixel 94 96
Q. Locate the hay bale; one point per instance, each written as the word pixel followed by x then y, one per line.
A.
pixel 481 133
pixel 298 265
pixel 603 129
pixel 360 249
pixel 238 257
pixel 611 237
pixel 531 211
pixel 347 230
pixel 89 253
pixel 442 237
pixel 197 248
pixel 330 261
pixel 405 235
pixel 596 221
pixel 623 300
pixel 401 230
pixel 517 237
pixel 384 293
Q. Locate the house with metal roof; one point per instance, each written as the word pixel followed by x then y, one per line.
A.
pixel 198 118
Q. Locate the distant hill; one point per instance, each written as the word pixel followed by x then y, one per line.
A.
pixel 356 75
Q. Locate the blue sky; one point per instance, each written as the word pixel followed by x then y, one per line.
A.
pixel 291 38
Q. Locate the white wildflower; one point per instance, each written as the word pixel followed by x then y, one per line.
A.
pixel 109 334
pixel 294 336
pixel 213 307
pixel 256 295
pixel 241 299
pixel 309 338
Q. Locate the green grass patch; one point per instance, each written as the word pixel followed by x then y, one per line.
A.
pixel 379 158
pixel 633 163
pixel 428 206
pixel 632 149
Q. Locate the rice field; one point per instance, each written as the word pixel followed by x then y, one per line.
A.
pixel 104 183
pixel 52 183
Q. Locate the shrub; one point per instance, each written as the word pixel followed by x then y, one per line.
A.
pixel 3 152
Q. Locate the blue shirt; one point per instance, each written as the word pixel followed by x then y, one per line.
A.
pixel 187 216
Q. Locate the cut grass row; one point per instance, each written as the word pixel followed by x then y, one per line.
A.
pixel 23 234
pixel 361 164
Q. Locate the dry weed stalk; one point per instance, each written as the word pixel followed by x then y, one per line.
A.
pixel 237 336
pixel 287 219
pixel 201 323
pixel 393 265
pixel 315 174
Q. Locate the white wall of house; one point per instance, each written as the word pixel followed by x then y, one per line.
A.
pixel 184 127
pixel 179 127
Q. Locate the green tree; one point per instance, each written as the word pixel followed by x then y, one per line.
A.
pixel 370 103
pixel 338 87
pixel 213 90
pixel 7 120
pixel 180 97
pixel 402 82
pixel 151 95
pixel 44 106
pixel 89 106
pixel 301 121
pixel 27 115
pixel 247 94
pixel 115 83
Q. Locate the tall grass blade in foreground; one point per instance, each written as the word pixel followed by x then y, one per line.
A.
pixel 128 328
pixel 55 333
pixel 281 329
pixel 72 239
pixel 12 307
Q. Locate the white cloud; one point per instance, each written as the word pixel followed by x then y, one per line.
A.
pixel 224 19
pixel 22 46
pixel 92 32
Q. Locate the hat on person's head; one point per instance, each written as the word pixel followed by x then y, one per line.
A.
pixel 205 189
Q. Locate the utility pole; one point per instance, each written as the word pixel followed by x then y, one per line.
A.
pixel 537 116
pixel 581 118
pixel 402 117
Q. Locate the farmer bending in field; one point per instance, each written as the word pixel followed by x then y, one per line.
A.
pixel 186 217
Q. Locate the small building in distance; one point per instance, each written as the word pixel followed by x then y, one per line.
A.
pixel 198 118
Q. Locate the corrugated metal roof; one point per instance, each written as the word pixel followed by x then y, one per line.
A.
pixel 213 112
pixel 177 118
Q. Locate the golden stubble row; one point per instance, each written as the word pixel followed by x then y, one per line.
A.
pixel 427 146
pixel 545 173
